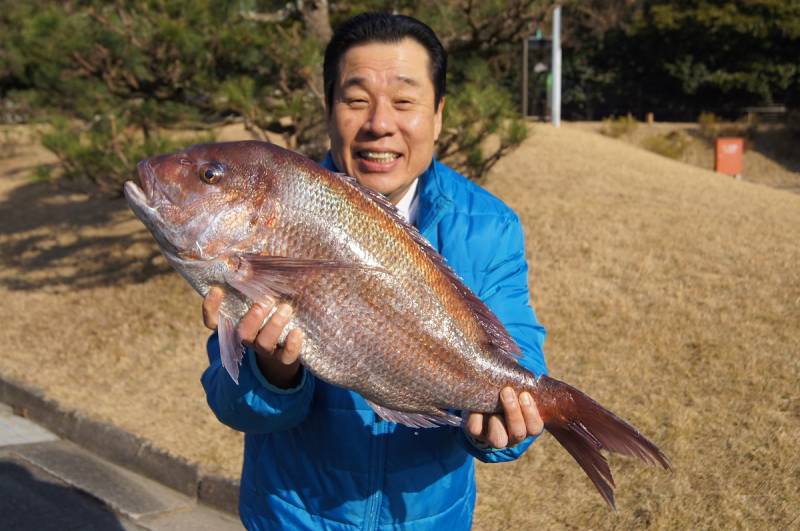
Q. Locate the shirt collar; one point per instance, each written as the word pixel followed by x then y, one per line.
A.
pixel 409 203
pixel 428 201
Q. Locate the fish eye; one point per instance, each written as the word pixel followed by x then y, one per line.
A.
pixel 212 172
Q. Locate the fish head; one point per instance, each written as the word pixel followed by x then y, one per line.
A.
pixel 203 203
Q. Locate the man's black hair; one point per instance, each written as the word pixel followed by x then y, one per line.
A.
pixel 385 28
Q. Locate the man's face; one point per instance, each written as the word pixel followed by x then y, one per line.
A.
pixel 383 122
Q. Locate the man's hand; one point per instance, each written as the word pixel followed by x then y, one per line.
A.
pixel 279 364
pixel 520 419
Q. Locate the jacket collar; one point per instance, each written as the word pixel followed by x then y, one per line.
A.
pixel 434 201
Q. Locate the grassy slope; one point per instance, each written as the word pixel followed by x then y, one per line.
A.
pixel 770 150
pixel 672 295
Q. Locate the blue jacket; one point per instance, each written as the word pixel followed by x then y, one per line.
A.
pixel 317 456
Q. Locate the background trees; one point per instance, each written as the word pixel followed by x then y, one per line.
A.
pixel 679 58
pixel 115 79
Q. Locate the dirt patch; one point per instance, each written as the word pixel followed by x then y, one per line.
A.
pixel 671 294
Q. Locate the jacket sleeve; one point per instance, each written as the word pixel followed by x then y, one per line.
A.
pixel 505 291
pixel 254 405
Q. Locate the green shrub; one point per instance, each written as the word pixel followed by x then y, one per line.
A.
pixel 480 124
pixel 709 125
pixel 619 126
pixel 672 145
pixel 103 154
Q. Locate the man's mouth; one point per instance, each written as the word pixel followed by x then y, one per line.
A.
pixel 377 161
pixel 382 157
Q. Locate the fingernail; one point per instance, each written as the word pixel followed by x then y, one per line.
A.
pixel 508 395
pixel 525 398
pixel 284 310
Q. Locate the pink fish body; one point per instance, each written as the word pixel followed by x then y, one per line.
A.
pixel 381 312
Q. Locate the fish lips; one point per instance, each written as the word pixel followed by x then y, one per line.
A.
pixel 138 202
pixel 141 200
pixel 142 196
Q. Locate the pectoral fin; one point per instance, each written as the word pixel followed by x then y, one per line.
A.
pixel 417 420
pixel 230 345
pixel 265 278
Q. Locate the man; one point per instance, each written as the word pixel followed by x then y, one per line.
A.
pixel 316 456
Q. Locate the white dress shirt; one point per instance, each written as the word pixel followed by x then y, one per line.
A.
pixel 409 203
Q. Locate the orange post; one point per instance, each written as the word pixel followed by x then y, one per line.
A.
pixel 730 154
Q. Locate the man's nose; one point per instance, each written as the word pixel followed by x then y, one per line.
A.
pixel 382 120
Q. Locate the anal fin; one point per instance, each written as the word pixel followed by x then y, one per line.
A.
pixel 416 420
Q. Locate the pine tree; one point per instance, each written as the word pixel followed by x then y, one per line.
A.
pixel 114 78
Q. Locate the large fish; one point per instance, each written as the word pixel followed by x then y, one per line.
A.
pixel 381 312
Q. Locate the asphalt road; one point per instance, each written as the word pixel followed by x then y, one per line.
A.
pixel 51 484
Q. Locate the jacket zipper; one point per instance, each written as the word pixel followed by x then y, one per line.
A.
pixel 378 453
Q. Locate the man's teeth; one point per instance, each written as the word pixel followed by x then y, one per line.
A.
pixel 379 156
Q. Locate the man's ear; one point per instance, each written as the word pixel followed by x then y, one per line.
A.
pixel 437 120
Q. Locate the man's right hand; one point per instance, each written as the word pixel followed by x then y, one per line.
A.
pixel 280 364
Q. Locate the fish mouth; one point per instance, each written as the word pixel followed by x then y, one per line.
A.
pixel 145 205
pixel 143 197
pixel 154 190
pixel 139 202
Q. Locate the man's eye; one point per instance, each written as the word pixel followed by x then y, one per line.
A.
pixel 357 102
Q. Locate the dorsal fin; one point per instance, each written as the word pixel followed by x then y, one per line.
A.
pixel 496 333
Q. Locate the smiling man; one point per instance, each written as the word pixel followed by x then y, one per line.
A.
pixel 384 114
pixel 317 456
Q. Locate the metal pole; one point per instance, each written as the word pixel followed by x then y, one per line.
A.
pixel 525 77
pixel 555 112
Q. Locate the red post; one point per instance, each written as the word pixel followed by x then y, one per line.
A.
pixel 730 155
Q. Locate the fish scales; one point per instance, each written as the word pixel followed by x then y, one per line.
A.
pixel 380 312
pixel 412 354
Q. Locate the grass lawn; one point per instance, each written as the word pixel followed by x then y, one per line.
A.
pixel 671 295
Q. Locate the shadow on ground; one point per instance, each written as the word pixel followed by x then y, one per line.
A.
pixel 54 239
pixel 778 143
pixel 32 499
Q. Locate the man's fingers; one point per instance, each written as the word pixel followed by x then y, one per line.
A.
pixel 474 425
pixel 291 348
pixel 533 421
pixel 516 429
pixel 496 434
pixel 267 339
pixel 251 323
pixel 211 307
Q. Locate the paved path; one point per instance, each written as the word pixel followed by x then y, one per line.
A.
pixel 51 484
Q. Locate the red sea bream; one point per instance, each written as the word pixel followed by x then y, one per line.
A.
pixel 381 312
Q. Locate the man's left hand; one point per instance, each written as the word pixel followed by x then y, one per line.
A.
pixel 519 419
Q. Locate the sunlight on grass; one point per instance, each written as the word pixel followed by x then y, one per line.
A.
pixel 671 295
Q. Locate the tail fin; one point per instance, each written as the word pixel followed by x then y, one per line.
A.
pixel 584 427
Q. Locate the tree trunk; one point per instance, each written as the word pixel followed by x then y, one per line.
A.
pixel 318 25
pixel 317 20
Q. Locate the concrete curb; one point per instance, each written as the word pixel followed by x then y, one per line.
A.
pixel 121 447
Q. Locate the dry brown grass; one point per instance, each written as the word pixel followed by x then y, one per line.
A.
pixel 771 156
pixel 671 294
